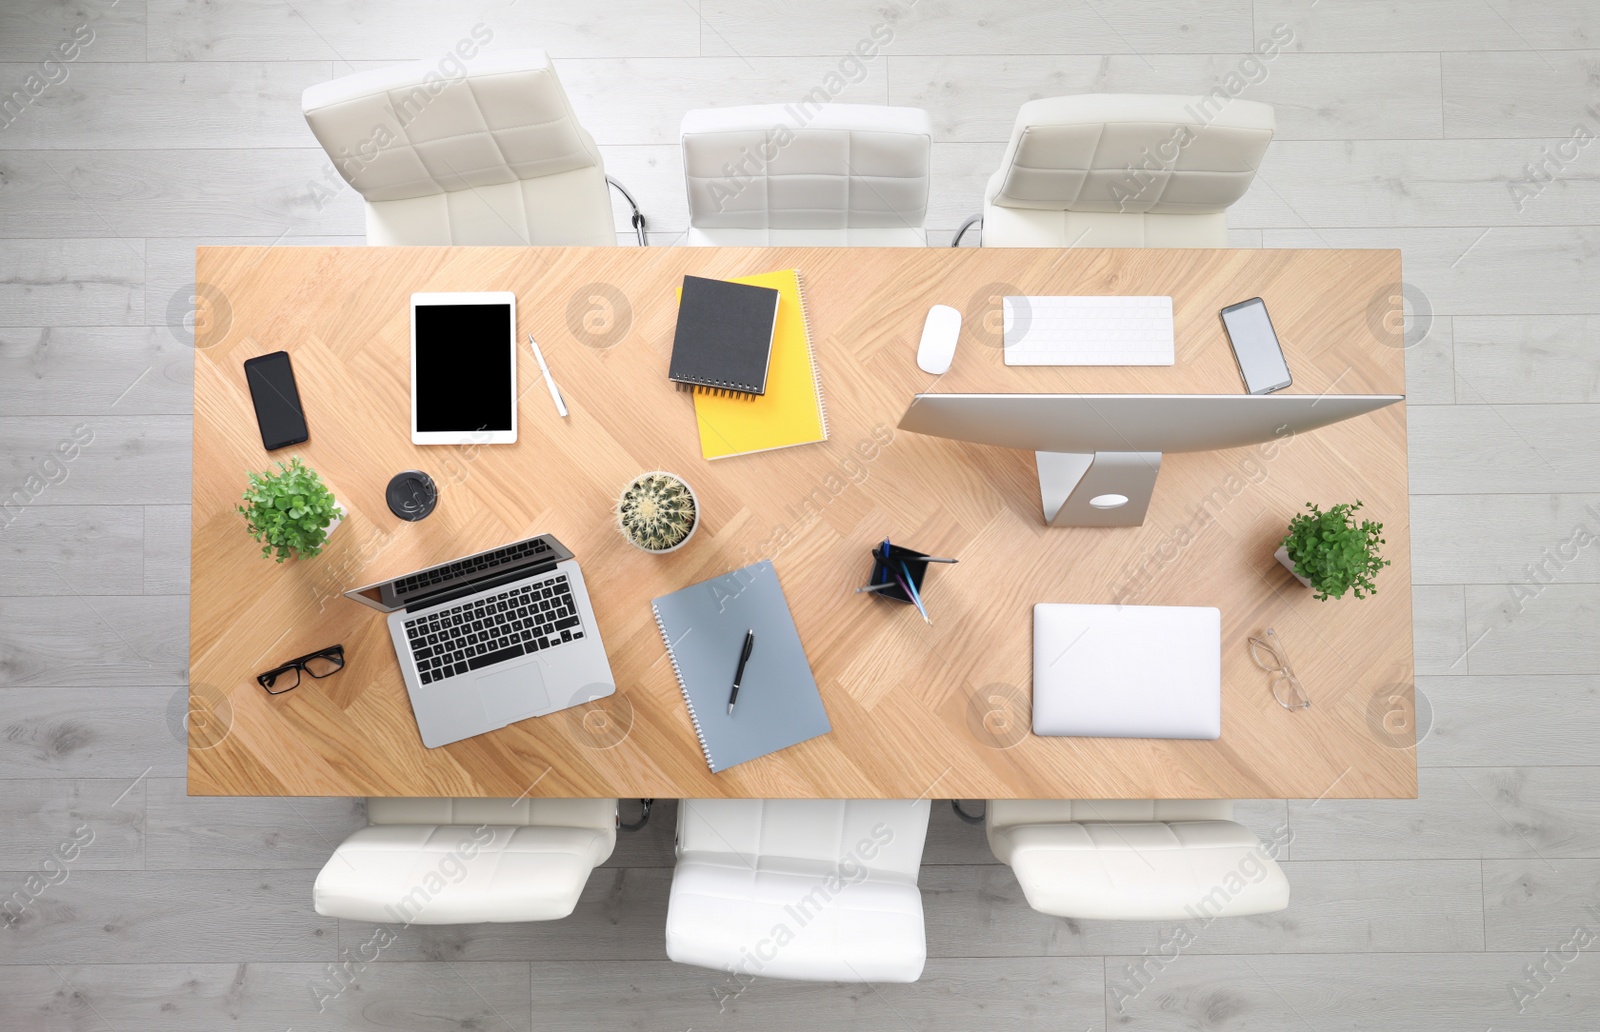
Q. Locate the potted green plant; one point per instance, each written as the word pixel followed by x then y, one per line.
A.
pixel 658 512
pixel 1332 553
pixel 291 512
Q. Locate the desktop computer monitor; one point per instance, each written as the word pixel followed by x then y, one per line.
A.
pixel 1098 454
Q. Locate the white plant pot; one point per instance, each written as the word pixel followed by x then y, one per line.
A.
pixel 1282 555
pixel 333 525
pixel 687 537
pixel 338 518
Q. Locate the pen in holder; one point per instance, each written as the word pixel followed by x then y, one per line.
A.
pixel 906 564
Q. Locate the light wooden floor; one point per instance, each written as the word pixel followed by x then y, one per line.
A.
pixel 1401 125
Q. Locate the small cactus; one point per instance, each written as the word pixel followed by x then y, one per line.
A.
pixel 657 512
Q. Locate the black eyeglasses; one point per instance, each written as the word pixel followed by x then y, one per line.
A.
pixel 287 677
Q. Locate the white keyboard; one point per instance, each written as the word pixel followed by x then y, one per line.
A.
pixel 1088 331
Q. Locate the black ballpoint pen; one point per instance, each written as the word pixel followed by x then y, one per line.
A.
pixel 738 675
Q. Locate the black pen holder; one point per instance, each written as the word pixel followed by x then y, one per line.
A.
pixel 904 562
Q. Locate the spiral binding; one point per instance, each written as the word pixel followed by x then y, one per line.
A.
pixel 811 350
pixel 684 688
pixel 720 392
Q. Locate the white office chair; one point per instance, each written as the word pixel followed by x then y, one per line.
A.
pixel 1124 170
pixel 807 889
pixel 494 156
pixel 1135 859
pixel 459 861
pixel 785 174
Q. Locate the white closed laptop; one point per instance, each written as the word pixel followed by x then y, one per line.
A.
pixel 1127 671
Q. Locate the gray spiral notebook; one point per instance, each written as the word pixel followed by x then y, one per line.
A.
pixel 704 627
pixel 723 341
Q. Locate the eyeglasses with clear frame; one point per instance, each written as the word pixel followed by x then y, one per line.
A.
pixel 318 664
pixel 1269 654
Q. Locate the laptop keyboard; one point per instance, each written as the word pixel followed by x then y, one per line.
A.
pixel 516 622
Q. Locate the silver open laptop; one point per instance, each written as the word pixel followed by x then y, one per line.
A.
pixel 493 638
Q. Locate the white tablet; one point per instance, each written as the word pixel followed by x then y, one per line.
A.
pixel 464 368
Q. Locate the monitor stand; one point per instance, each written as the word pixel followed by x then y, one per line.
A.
pixel 1101 489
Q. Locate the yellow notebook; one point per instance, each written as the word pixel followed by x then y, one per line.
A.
pixel 791 411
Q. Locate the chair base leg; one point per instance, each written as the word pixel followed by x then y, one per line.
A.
pixel 972 220
pixel 644 817
pixel 955 804
pixel 638 216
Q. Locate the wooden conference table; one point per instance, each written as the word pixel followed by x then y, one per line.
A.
pixel 917 710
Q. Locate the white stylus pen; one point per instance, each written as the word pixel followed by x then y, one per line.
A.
pixel 555 395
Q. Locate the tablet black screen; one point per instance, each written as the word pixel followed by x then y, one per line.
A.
pixel 463 374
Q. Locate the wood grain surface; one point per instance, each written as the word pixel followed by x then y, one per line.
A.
pixel 917 710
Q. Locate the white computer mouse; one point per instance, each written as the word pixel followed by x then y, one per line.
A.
pixel 939 335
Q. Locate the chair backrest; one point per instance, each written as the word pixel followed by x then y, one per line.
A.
pixel 461 861
pixel 1135 860
pixel 527 812
pixel 486 151
pixel 1132 153
pixel 1003 814
pixel 804 167
pixel 407 131
pixel 880 835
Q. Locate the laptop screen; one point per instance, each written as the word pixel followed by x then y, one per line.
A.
pixel 460 576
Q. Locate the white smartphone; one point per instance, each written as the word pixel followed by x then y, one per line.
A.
pixel 1256 347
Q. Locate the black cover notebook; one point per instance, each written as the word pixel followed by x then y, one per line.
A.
pixel 724 336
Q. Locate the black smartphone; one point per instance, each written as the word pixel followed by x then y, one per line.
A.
pixel 1256 347
pixel 277 401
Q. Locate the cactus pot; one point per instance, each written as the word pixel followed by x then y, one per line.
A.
pixel 658 512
